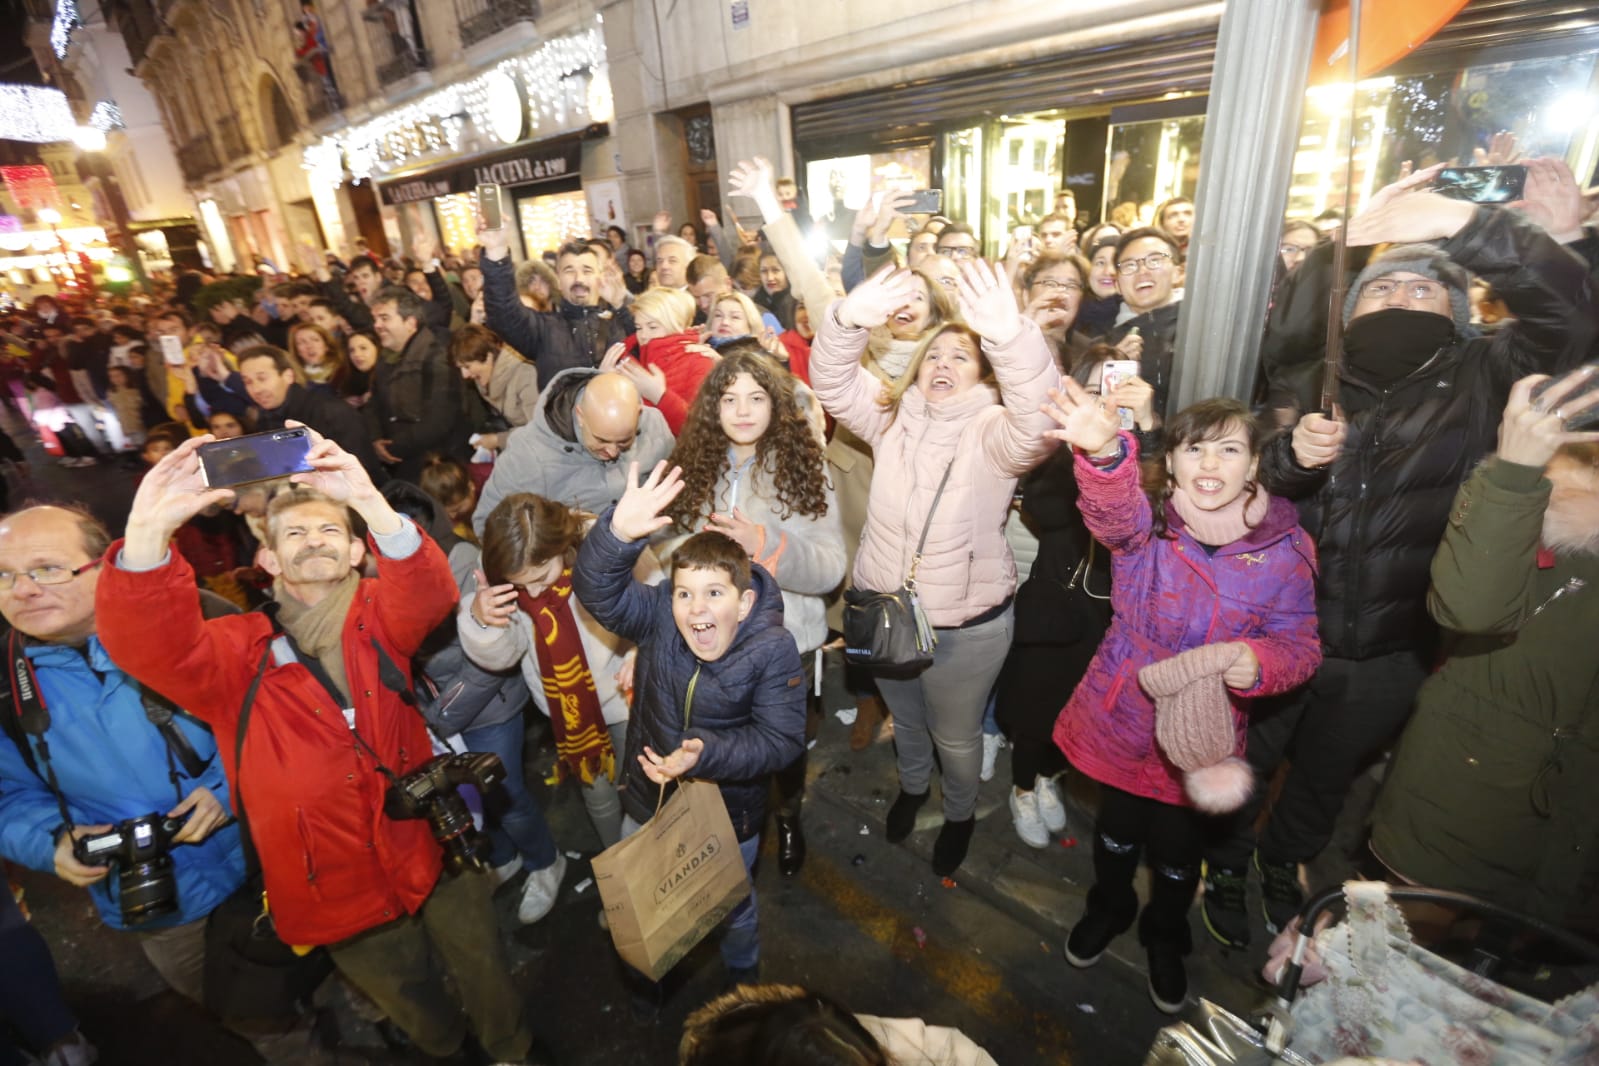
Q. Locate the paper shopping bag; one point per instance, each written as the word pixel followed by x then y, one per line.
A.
pixel 668 885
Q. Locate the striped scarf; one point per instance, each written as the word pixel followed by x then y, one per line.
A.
pixel 581 740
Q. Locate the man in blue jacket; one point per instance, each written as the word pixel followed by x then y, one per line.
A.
pixel 721 693
pixel 110 761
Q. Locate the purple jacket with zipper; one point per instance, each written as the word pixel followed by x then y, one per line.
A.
pixel 1169 596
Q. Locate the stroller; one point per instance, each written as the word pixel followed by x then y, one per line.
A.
pixel 1388 998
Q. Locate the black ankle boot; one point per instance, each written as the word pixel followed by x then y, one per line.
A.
pixel 949 850
pixel 790 844
pixel 902 815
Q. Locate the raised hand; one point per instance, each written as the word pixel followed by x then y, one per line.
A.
pixel 1531 431
pixel 613 357
pixel 756 179
pixel 424 248
pixel 170 494
pixel 1085 423
pixel 662 223
pixel 891 209
pixel 1317 440
pixel 613 288
pixel 708 219
pixel 1553 199
pixel 1404 212
pixel 737 526
pixel 661 769
pixel 496 242
pixel 1048 311
pixel 870 303
pixel 638 512
pixel 987 302
pixel 1138 396
pixel 335 473
pixel 492 605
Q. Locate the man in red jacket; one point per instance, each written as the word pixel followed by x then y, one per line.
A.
pixel 318 757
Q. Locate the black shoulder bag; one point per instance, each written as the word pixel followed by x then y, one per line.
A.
pixel 888 631
pixel 250 974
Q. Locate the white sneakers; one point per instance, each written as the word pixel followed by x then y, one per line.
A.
pixel 538 895
pixel 506 870
pixel 1024 816
pixel 992 742
pixel 1038 814
pixel 1050 807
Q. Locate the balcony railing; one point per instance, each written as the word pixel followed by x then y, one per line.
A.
pixel 395 34
pixel 233 147
pixel 321 94
pixel 197 158
pixel 482 19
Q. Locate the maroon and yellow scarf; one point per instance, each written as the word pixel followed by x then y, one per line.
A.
pixel 581 740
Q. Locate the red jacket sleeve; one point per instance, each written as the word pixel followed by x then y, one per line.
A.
pixel 413 594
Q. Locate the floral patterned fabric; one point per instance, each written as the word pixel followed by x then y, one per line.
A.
pixel 1385 996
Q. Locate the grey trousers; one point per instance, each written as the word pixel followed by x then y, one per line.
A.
pixel 941 709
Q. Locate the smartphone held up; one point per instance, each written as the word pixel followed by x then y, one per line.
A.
pixel 255 457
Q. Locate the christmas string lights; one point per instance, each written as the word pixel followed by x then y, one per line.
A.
pixel 31 113
pixel 555 80
pixel 61 28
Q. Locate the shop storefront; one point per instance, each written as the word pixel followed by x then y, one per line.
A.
pixel 1123 126
pixel 540 184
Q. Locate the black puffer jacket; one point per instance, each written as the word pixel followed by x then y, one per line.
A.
pixel 552 340
pixel 1378 512
pixel 748 706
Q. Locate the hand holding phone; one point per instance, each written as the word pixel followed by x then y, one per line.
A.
pixel 488 207
pixel 924 202
pixel 255 457
pixel 171 350
pixel 1111 377
pixel 1481 185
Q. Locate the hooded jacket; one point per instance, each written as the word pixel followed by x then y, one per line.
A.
pixel 571 336
pixel 748 706
pixel 546 458
pixel 1378 511
pixel 1491 789
pixel 966 568
pixel 1169 596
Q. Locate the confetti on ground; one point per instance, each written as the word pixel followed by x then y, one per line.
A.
pixel 1069 842
pixel 811 745
pixel 1043 947
pixel 1086 1008
pixel 948 882
pixel 582 886
pixel 865 832
pixel 845 715
pixel 921 937
pixel 574 855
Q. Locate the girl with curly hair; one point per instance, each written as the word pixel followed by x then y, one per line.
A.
pixel 753 469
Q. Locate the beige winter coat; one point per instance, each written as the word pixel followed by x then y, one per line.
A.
pixel 992 436
pixel 513 387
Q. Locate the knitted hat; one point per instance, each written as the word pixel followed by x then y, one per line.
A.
pixel 1427 261
pixel 1194 725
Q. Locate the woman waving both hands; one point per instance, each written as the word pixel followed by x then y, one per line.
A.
pixel 951 437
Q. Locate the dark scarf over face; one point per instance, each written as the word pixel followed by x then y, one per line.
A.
pixel 1389 345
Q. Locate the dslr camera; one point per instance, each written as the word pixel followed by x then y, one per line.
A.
pixel 139 848
pixel 433 791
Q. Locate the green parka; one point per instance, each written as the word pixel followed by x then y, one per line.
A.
pixel 1494 787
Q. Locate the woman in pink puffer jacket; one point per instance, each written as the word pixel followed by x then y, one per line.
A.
pixel 970 404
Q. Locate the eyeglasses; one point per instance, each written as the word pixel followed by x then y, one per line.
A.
pixel 1051 285
pixel 43 575
pixel 1295 249
pixel 1383 288
pixel 958 252
pixel 1154 261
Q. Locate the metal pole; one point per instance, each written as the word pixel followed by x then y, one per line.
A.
pixel 1251 133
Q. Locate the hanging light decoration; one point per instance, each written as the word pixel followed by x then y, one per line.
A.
pixel 32 113
pixel 61 28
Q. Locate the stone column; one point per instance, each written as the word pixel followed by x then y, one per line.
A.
pixel 1251 134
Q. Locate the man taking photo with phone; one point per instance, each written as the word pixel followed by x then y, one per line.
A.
pixel 318 687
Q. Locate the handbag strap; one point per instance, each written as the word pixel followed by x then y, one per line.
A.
pixel 910 580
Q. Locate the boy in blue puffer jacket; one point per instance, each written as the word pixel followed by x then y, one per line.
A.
pixel 719 692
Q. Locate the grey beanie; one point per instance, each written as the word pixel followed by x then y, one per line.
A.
pixel 1427 261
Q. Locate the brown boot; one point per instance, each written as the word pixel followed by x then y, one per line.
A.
pixel 868 715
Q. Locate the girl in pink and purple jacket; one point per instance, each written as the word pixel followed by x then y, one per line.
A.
pixel 1214 597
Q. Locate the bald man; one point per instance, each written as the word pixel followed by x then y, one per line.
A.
pixel 589 425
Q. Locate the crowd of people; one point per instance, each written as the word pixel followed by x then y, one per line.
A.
pixel 624 488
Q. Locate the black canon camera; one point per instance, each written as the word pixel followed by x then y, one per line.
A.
pixel 433 791
pixel 139 848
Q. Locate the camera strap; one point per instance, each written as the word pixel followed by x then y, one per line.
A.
pixel 31 719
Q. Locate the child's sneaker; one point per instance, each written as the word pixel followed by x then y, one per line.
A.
pixel 1281 894
pixel 1223 907
pixel 1025 817
pixel 1050 806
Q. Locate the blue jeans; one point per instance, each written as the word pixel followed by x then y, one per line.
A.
pixel 741 935
pixel 519 828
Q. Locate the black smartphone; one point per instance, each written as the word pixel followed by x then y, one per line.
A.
pixel 255 457
pixel 488 206
pixel 925 202
pixel 1481 185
